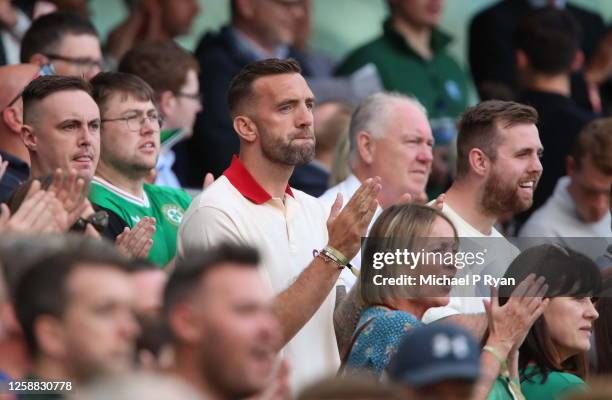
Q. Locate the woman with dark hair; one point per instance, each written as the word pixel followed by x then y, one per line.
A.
pixel 552 358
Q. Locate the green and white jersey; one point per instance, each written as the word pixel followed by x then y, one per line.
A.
pixel 166 205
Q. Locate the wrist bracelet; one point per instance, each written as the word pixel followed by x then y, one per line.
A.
pixel 503 365
pixel 336 254
pixel 328 256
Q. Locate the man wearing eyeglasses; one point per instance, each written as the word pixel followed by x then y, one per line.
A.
pixel 130 145
pixel 67 42
pixel 173 73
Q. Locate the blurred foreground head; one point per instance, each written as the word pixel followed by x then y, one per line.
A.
pixel 220 317
pixel 75 309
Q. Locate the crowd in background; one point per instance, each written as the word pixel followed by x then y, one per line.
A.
pixel 205 225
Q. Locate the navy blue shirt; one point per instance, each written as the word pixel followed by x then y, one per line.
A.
pixel 17 172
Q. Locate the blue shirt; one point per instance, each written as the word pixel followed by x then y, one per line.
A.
pixel 379 340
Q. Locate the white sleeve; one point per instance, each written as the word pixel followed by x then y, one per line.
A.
pixel 456 305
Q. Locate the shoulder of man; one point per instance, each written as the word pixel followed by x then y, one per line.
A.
pixel 178 196
pixel 364 54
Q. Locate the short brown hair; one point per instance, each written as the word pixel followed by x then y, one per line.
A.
pixel 478 128
pixel 42 289
pixel 595 142
pixel 105 84
pixel 241 86
pixel 45 86
pixel 163 65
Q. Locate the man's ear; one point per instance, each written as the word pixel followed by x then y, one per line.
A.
pixel 183 324
pixel 246 128
pixel 28 137
pixel 12 119
pixel 50 335
pixel 365 147
pixel 167 103
pixel 479 161
pixel 39 59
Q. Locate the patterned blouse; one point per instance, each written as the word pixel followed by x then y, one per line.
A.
pixel 378 341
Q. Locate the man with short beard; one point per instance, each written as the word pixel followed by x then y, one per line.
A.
pixel 271 106
pixel 219 313
pixel 130 144
pixel 498 168
pixel 75 307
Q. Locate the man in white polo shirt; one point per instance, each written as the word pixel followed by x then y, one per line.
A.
pixel 252 203
pixel 498 167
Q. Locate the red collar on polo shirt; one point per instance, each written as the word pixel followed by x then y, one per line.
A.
pixel 242 180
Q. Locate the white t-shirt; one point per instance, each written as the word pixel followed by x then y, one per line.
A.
pixel 499 255
pixel 558 218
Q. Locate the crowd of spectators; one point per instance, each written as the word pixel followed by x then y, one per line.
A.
pixel 230 223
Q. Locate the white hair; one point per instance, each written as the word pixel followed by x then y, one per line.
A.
pixel 374 114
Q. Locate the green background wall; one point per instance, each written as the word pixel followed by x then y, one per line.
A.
pixel 339 25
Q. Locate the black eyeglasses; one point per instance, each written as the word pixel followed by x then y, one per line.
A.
pixel 135 122
pixel 83 62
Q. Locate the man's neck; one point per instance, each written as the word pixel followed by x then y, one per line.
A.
pixel 466 200
pixel 325 158
pixel 273 177
pixel 417 36
pixel 50 369
pixel 187 369
pixel 558 84
pixel 385 198
pixel 134 186
pixel 36 170
pixel 254 39
pixel 14 361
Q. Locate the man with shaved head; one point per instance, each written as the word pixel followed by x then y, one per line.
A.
pixel 13 79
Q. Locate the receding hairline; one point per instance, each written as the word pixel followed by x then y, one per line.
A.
pixel 253 93
pixel 35 104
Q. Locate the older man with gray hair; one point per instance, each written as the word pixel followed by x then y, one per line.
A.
pixel 389 137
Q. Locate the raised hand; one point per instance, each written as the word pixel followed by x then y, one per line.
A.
pixel 347 227
pixel 439 202
pixel 510 323
pixel 71 191
pixel 35 215
pixel 137 242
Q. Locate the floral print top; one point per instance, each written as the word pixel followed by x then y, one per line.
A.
pixel 379 340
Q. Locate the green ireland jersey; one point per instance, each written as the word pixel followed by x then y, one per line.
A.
pixel 166 205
